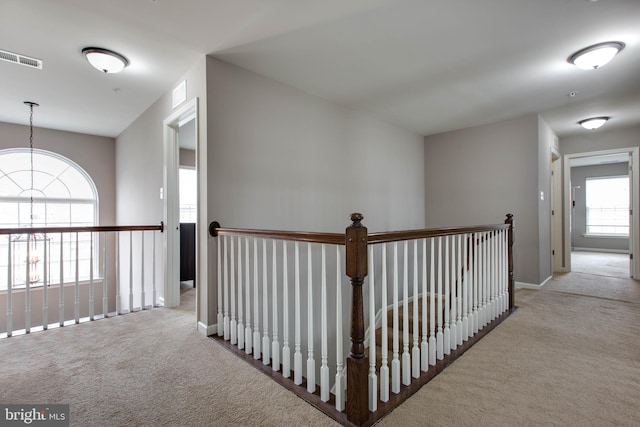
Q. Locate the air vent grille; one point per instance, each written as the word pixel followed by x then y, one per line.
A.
pixel 20 59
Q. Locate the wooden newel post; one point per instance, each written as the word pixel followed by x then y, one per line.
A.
pixel 509 221
pixel 357 361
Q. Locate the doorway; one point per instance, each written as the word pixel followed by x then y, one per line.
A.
pixel 180 129
pixel 582 220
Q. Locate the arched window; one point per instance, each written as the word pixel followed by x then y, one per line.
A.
pixel 64 195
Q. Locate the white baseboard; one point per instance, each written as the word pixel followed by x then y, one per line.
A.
pixel 207 330
pixel 523 285
pixel 613 251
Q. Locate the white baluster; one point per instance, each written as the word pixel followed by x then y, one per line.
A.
pixel 220 285
pixel 311 363
pixel 505 270
pixel 61 284
pixel 142 263
pixel 373 379
pixel 105 296
pixel 447 302
pixel 406 358
pixel 27 290
pixel 465 289
pixel 494 275
pixel 248 342
pixel 9 288
pixel 415 351
pixel 286 351
pixel 154 299
pixel 297 355
pixel 340 377
pixel 91 291
pixel 76 303
pixel 117 281
pixel 240 330
pixel 225 271
pixel 266 344
pixel 130 271
pixel 476 287
pixel 384 339
pixel 440 335
pixel 453 296
pixel 432 304
pixel 424 345
pixel 45 286
pixel 275 345
pixel 233 268
pixel 257 350
pixel 324 355
pixel 460 264
pixel 486 272
pixel 395 361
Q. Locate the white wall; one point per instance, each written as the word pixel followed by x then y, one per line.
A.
pixel 547 142
pixel 478 175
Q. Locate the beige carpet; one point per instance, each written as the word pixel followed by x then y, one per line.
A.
pixel 561 359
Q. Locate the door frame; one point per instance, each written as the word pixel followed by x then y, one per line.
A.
pixel 171 200
pixel 634 226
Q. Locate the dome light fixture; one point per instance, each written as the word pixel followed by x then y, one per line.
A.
pixel 593 123
pixel 595 56
pixel 105 60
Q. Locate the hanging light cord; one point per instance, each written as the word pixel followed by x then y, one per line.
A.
pixel 31 105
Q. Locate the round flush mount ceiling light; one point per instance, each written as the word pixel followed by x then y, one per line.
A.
pixel 593 57
pixel 593 123
pixel 105 60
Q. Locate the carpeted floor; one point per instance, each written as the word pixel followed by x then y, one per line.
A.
pixel 561 359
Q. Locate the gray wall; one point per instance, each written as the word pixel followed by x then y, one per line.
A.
pixel 601 139
pixel 579 227
pixel 140 162
pixel 477 175
pixel 282 159
pixel 94 154
pixel 187 157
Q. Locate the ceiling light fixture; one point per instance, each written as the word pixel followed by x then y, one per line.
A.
pixel 593 57
pixel 593 123
pixel 105 60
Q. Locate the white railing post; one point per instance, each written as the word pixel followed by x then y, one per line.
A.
pixel 153 272
pixel 415 351
pixel 373 379
pixel 452 295
pixel 130 271
pixel 91 295
pixel 105 294
pixel 459 297
pixel 406 359
pixel 340 377
pixel 447 302
pixel 61 284
pixel 384 339
pixel 275 349
pixel 395 361
pixel 286 351
pixel 248 342
pixel 440 334
pixel 220 285
pixel 233 323
pixel 225 274
pixel 324 352
pixel 76 304
pixel 45 286
pixel 240 329
pixel 297 356
pixel 9 288
pixel 142 263
pixel 424 345
pixel 311 363
pixel 432 304
pixel 257 339
pixel 27 290
pixel 266 345
pixel 465 288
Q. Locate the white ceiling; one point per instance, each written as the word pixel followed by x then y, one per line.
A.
pixel 426 65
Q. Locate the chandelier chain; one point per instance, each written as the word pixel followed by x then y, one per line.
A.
pixel 31 159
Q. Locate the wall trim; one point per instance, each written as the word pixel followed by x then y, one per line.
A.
pixel 524 285
pixel 207 330
pixel 612 251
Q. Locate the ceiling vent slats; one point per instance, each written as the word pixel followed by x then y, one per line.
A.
pixel 20 59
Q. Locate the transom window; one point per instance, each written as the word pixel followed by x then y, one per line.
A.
pixel 64 195
pixel 608 205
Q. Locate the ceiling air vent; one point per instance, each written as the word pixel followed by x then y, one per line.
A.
pixel 20 59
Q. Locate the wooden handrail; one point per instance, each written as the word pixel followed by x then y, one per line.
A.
pixel 81 229
pixel 299 236
pixel 395 236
